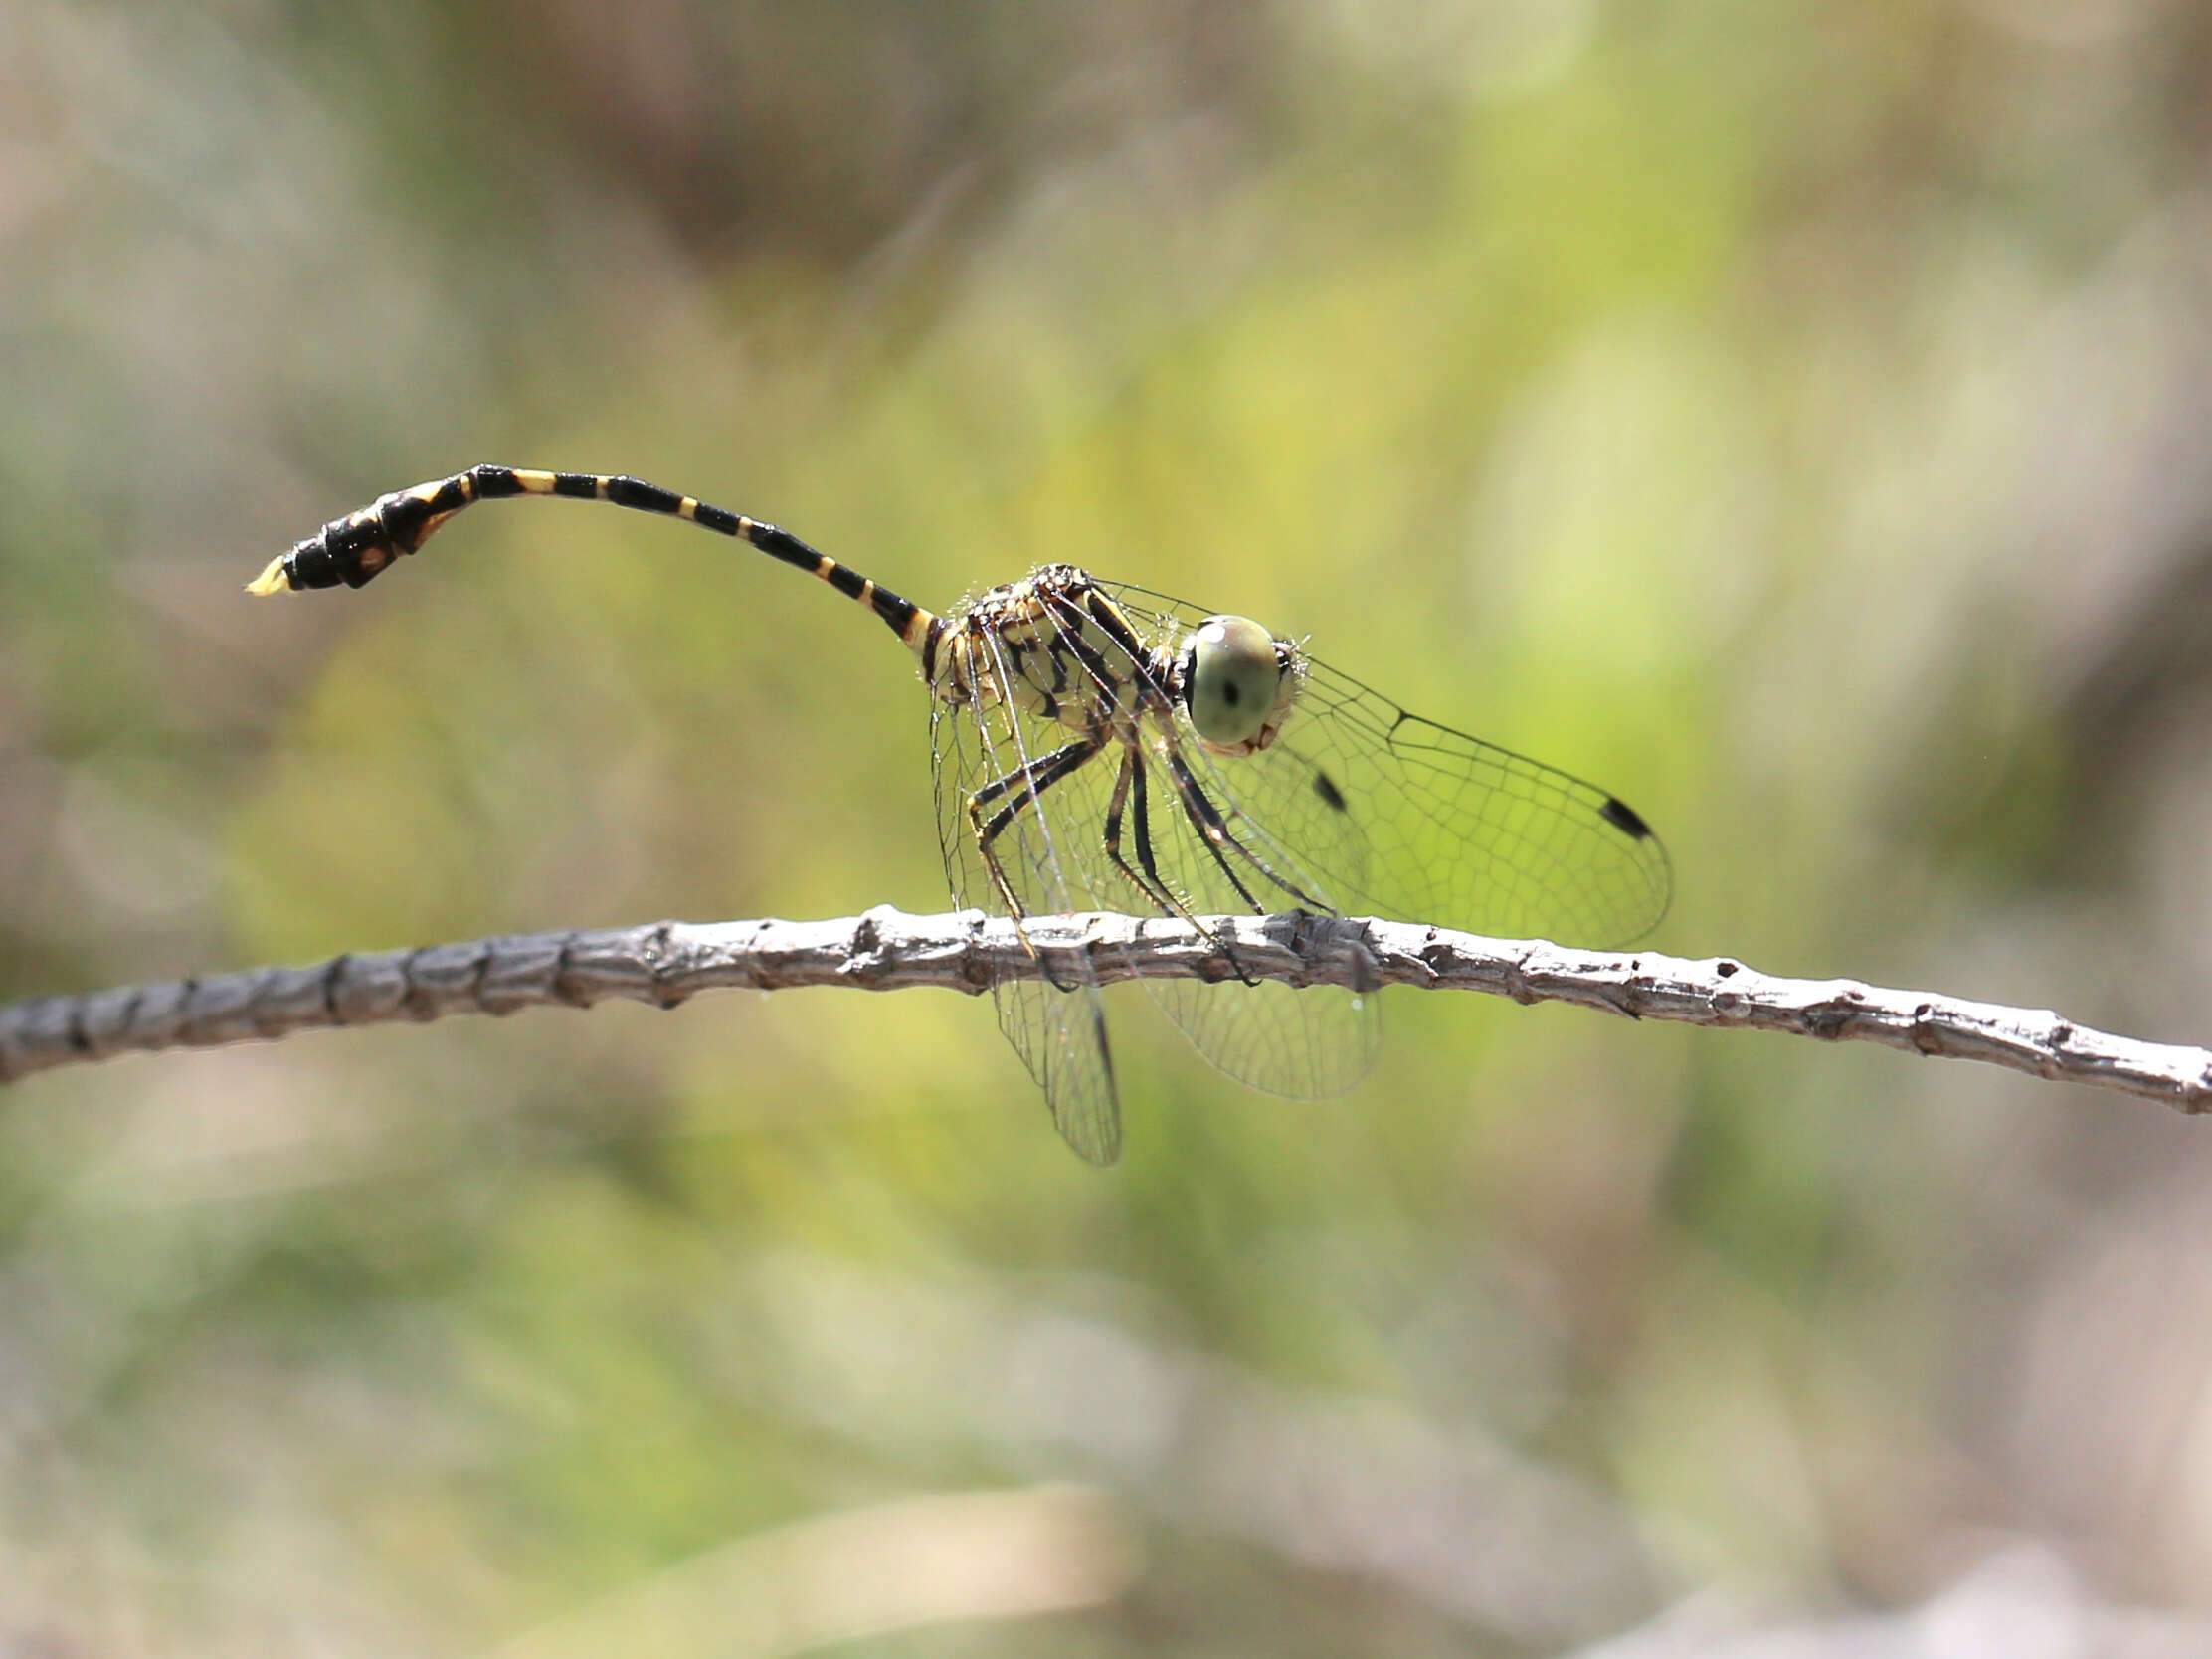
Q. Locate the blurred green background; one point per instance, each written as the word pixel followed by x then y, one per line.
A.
pixel 1797 416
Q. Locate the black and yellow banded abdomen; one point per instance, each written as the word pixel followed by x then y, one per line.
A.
pixel 354 550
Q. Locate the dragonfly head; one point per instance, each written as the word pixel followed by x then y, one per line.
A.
pixel 1237 682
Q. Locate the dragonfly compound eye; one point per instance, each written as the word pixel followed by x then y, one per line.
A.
pixel 1230 681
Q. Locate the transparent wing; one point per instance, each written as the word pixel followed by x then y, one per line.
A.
pixel 1357 808
pixel 1392 814
pixel 1118 830
pixel 1459 833
pixel 1060 1034
pixel 1306 1043
pixel 1139 833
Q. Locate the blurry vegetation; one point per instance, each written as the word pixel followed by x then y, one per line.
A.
pixel 1791 415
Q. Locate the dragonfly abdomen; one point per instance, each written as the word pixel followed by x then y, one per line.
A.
pixel 354 550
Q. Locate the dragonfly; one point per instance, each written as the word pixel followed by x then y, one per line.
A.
pixel 1101 746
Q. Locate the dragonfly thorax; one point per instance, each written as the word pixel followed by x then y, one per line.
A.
pixel 1053 645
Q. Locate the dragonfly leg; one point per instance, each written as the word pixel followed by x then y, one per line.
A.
pixel 1129 792
pixel 1022 787
pixel 1218 839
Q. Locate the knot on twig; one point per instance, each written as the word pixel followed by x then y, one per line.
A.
pixel 1331 950
pixel 1830 1018
pixel 1435 958
pixel 663 962
pixel 870 951
pixel 975 976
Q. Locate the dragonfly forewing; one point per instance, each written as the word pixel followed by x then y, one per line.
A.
pixel 1396 817
pixel 1465 835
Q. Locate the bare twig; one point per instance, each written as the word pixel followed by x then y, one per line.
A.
pixel 886 950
